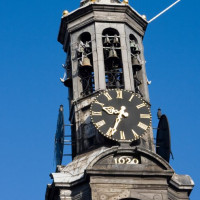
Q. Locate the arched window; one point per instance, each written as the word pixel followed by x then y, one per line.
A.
pixel 136 62
pixel 85 61
pixel 112 59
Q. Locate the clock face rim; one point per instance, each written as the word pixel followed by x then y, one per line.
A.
pixel 147 105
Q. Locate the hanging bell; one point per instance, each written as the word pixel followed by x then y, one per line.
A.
pixel 80 47
pixel 85 64
pixel 87 45
pixel 116 41
pixel 136 50
pixel 106 41
pixel 133 44
pixel 136 64
pixel 112 57
pixel 68 82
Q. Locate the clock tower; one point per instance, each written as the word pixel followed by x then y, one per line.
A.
pixel 113 152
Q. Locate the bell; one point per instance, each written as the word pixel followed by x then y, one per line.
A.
pixel 85 63
pixel 87 44
pixel 87 47
pixel 132 44
pixel 80 47
pixel 112 57
pixel 106 41
pixel 68 82
pixel 136 50
pixel 116 41
pixel 136 64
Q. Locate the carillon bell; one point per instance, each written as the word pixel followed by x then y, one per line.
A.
pixel 116 41
pixel 136 64
pixel 87 44
pixel 112 56
pixel 87 47
pixel 85 63
pixel 132 44
pixel 107 41
pixel 80 47
pixel 136 50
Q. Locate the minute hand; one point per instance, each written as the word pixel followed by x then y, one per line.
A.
pixel 119 118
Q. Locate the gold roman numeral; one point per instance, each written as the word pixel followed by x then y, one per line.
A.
pixel 100 123
pixel 135 135
pixel 108 96
pixel 109 132
pixel 101 104
pixel 97 113
pixel 119 94
pixel 142 126
pixel 140 105
pixel 122 135
pixel 145 116
pixel 131 97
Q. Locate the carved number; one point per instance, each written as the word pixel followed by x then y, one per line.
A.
pixel 126 160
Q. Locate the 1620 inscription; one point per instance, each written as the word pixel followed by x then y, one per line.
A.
pixel 126 160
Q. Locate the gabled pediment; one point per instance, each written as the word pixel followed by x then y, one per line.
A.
pixel 130 161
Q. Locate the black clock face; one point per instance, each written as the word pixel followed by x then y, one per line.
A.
pixel 120 115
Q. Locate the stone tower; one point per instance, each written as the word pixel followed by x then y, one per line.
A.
pixel 112 139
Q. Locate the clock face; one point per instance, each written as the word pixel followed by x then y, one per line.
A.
pixel 120 115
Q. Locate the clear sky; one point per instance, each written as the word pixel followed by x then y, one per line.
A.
pixel 31 92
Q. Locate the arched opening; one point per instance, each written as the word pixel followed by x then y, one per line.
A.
pixel 85 62
pixel 112 59
pixel 136 62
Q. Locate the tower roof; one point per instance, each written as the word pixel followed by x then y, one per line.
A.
pixel 86 2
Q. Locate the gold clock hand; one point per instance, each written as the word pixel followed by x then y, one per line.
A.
pixel 111 110
pixel 119 118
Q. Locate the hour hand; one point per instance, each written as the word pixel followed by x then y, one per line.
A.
pixel 110 110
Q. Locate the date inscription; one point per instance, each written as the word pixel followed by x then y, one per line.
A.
pixel 126 160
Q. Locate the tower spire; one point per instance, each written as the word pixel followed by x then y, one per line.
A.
pixel 113 151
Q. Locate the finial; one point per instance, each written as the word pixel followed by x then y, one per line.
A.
pixel 65 13
pixel 125 1
pixel 144 17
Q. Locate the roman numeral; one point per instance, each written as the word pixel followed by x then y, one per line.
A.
pixel 145 116
pixel 140 105
pixel 109 132
pixel 101 104
pixel 97 113
pixel 119 94
pixel 135 135
pixel 142 126
pixel 100 123
pixel 122 135
pixel 108 96
pixel 131 97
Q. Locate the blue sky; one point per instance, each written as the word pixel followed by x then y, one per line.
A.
pixel 31 92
